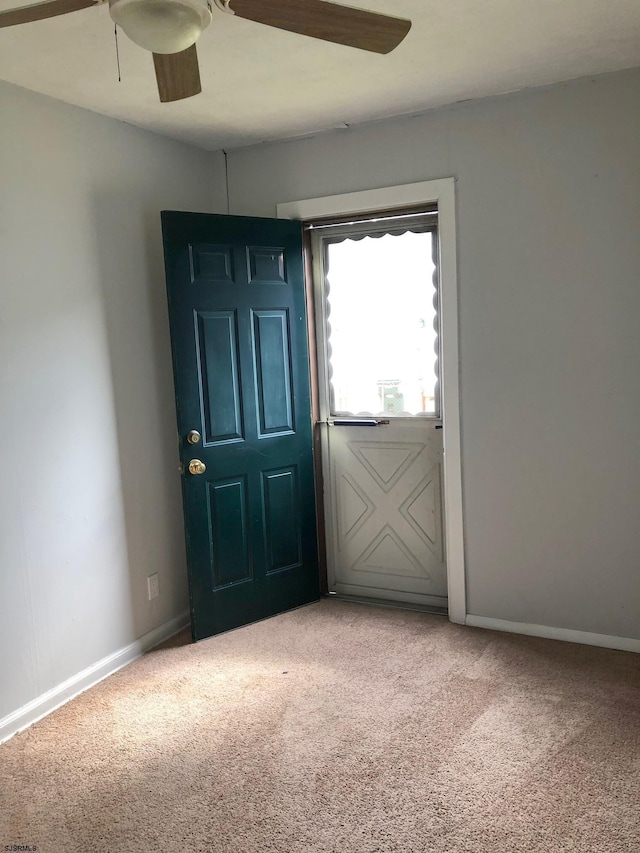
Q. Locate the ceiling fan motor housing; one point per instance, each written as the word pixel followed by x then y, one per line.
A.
pixel 161 26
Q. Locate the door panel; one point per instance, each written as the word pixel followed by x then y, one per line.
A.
pixel 272 356
pixel 239 339
pixel 218 359
pixel 281 524
pixel 386 511
pixel 228 520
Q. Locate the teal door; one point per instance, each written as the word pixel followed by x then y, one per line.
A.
pixel 239 340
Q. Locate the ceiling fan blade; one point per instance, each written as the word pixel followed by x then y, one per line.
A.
pixel 327 21
pixel 178 74
pixel 41 11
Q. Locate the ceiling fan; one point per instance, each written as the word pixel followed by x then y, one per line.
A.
pixel 170 28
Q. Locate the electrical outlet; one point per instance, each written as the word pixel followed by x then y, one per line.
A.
pixel 153 586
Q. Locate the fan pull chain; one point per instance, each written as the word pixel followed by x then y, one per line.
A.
pixel 115 32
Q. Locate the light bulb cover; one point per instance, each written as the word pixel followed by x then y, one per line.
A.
pixel 161 26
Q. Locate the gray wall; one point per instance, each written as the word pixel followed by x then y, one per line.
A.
pixel 90 497
pixel 548 206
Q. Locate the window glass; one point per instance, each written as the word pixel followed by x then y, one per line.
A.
pixel 382 325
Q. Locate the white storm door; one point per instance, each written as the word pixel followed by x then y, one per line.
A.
pixel 377 297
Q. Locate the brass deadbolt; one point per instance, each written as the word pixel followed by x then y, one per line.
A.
pixel 193 436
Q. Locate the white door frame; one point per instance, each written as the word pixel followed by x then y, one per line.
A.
pixel 442 193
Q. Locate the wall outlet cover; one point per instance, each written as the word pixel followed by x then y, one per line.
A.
pixel 153 586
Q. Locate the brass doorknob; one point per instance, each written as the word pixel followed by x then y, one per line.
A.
pixel 193 436
pixel 197 467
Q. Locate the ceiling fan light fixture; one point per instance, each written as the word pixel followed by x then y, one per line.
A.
pixel 161 26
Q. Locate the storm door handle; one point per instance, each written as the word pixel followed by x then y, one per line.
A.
pixel 359 422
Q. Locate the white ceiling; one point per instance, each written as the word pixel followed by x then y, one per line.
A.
pixel 262 84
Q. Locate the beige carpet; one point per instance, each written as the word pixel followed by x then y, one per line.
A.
pixel 339 728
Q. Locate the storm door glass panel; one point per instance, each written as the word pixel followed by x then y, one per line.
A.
pixel 382 324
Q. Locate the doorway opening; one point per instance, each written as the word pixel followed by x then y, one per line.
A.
pixel 376 298
pixel 424 195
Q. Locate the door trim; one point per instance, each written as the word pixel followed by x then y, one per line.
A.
pixel 442 193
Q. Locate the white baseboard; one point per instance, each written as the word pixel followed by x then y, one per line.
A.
pixel 62 693
pixel 626 644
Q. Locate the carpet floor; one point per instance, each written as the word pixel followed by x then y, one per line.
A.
pixel 339 728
